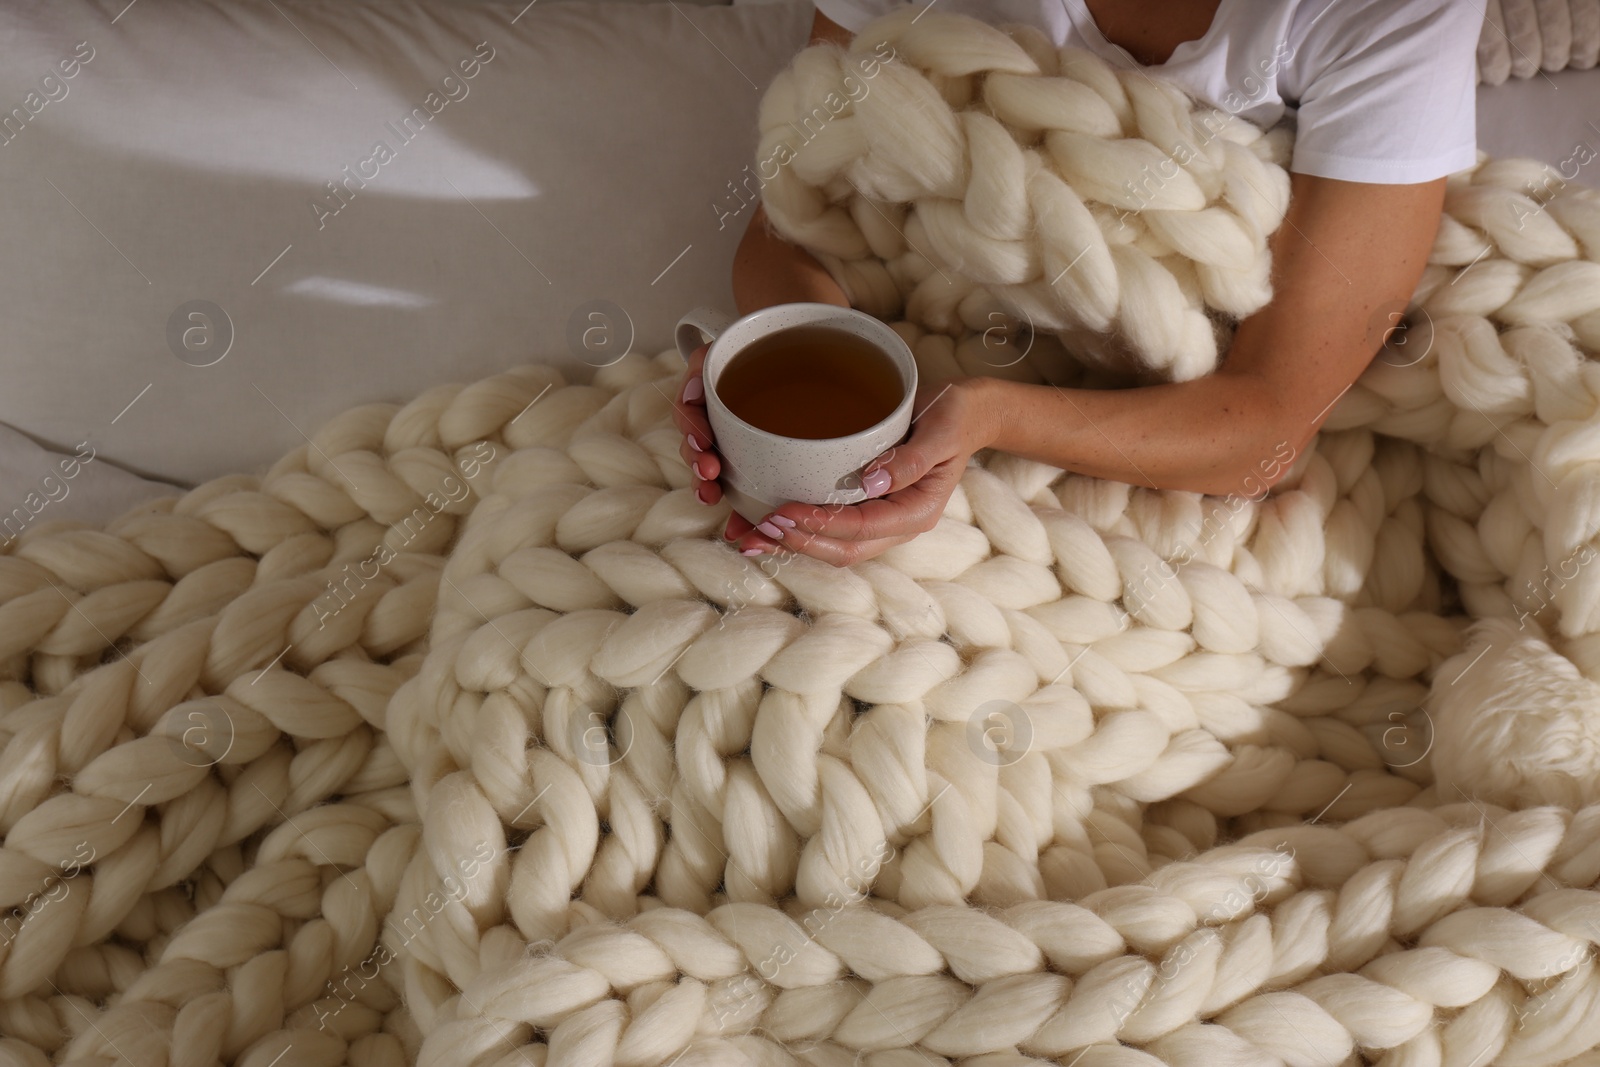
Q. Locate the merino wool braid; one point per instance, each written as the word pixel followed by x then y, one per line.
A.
pixel 982 175
pixel 459 737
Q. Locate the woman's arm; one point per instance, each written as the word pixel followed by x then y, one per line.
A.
pixel 768 270
pixel 1346 252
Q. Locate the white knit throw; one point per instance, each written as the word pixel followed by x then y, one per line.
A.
pixel 459 738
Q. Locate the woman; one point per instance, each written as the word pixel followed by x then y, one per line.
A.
pixel 1384 92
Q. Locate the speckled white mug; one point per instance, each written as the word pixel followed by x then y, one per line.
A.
pixel 761 470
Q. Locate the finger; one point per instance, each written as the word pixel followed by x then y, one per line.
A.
pixel 926 462
pixel 905 513
pixel 688 403
pixel 693 391
pixel 695 426
pixel 737 526
pixel 688 412
pixel 706 491
pixel 832 550
pixel 905 463
pixel 704 467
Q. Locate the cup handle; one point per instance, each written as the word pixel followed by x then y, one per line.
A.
pixel 702 320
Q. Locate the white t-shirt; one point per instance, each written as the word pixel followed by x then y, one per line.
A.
pixel 1381 90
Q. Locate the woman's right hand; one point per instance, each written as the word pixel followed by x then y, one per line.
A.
pixel 689 412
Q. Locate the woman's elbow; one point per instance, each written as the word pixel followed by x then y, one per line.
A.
pixel 1253 471
pixel 1274 434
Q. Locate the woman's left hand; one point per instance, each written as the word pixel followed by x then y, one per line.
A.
pixel 910 485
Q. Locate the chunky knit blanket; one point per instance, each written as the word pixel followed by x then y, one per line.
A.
pixel 459 737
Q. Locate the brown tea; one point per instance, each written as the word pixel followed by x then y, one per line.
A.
pixel 811 382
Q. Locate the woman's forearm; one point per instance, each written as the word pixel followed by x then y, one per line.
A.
pixel 1199 435
pixel 768 270
pixel 1346 255
pixel 1218 434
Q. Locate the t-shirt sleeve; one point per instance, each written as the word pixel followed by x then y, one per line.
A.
pixel 1389 90
pixel 854 14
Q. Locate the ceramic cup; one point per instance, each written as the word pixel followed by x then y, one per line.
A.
pixel 761 470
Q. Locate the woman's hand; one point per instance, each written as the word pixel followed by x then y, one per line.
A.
pixel 699 447
pixel 689 412
pixel 910 485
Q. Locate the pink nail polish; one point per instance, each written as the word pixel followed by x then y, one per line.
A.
pixel 694 443
pixel 782 520
pixel 876 483
pixel 770 530
pixel 700 494
pixel 700 473
pixel 693 390
pixel 752 552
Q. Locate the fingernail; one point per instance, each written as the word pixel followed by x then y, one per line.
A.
pixel 782 520
pixel 752 551
pixel 694 444
pixel 771 531
pixel 876 483
pixel 700 473
pixel 694 389
pixel 700 494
